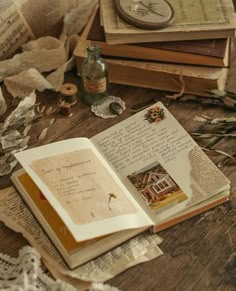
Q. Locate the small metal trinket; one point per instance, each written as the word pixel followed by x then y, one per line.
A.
pixel 111 107
pixel 147 14
pixel 116 108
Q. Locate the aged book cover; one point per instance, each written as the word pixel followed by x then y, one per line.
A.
pixel 207 52
pixel 196 80
pixel 193 20
pixel 126 177
pixel 74 253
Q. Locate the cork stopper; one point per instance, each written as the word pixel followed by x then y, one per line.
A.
pixel 69 89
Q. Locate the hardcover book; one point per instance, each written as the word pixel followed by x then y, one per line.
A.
pixel 144 172
pixel 190 79
pixel 74 253
pixel 206 52
pixel 192 20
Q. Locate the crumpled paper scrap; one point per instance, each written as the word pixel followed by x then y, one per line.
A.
pixel 25 82
pixel 45 55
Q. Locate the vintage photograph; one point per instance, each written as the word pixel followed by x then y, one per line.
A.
pixel 157 187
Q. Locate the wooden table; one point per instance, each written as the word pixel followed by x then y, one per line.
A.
pixel 195 251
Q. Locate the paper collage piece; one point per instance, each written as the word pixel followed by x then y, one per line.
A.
pixel 75 178
pixel 157 187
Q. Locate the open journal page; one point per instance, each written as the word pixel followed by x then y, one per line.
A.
pixel 159 163
pixel 82 188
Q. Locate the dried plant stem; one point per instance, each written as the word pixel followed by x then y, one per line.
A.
pixel 219 138
pixel 226 102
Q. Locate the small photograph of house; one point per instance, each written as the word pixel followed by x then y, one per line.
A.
pixel 157 187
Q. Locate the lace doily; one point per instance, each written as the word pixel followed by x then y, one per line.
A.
pixel 103 109
pixel 25 274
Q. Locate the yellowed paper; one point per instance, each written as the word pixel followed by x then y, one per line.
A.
pixel 23 20
pixel 160 162
pixel 215 14
pixel 16 215
pixel 83 186
pixel 22 75
pixel 137 250
pixel 45 54
pixel 25 82
pixel 14 30
pixel 127 215
pixel 56 78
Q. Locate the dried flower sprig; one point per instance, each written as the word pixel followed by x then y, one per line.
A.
pixel 220 98
pixel 143 9
pixel 228 98
pixel 155 114
pixel 12 137
pixel 227 158
pixel 225 120
pixel 215 127
pixel 209 135
pixel 111 195
pixel 14 132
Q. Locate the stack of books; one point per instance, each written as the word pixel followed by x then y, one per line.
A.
pixel 193 51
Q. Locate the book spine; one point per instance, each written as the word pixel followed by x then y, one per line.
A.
pixel 186 216
pixel 167 81
pixel 161 55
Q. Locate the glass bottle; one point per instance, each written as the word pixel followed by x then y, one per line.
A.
pixel 94 75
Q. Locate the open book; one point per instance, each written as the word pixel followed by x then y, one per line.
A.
pixel 146 171
pixel 74 253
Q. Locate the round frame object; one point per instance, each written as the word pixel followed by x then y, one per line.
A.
pixel 147 14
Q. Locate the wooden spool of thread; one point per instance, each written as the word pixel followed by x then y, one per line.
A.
pixel 68 92
pixel 65 109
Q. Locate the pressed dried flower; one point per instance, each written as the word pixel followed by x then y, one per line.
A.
pixel 154 114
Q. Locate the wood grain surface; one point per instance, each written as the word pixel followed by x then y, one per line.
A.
pixel 198 253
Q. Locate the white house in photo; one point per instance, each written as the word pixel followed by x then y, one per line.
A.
pixel 157 186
